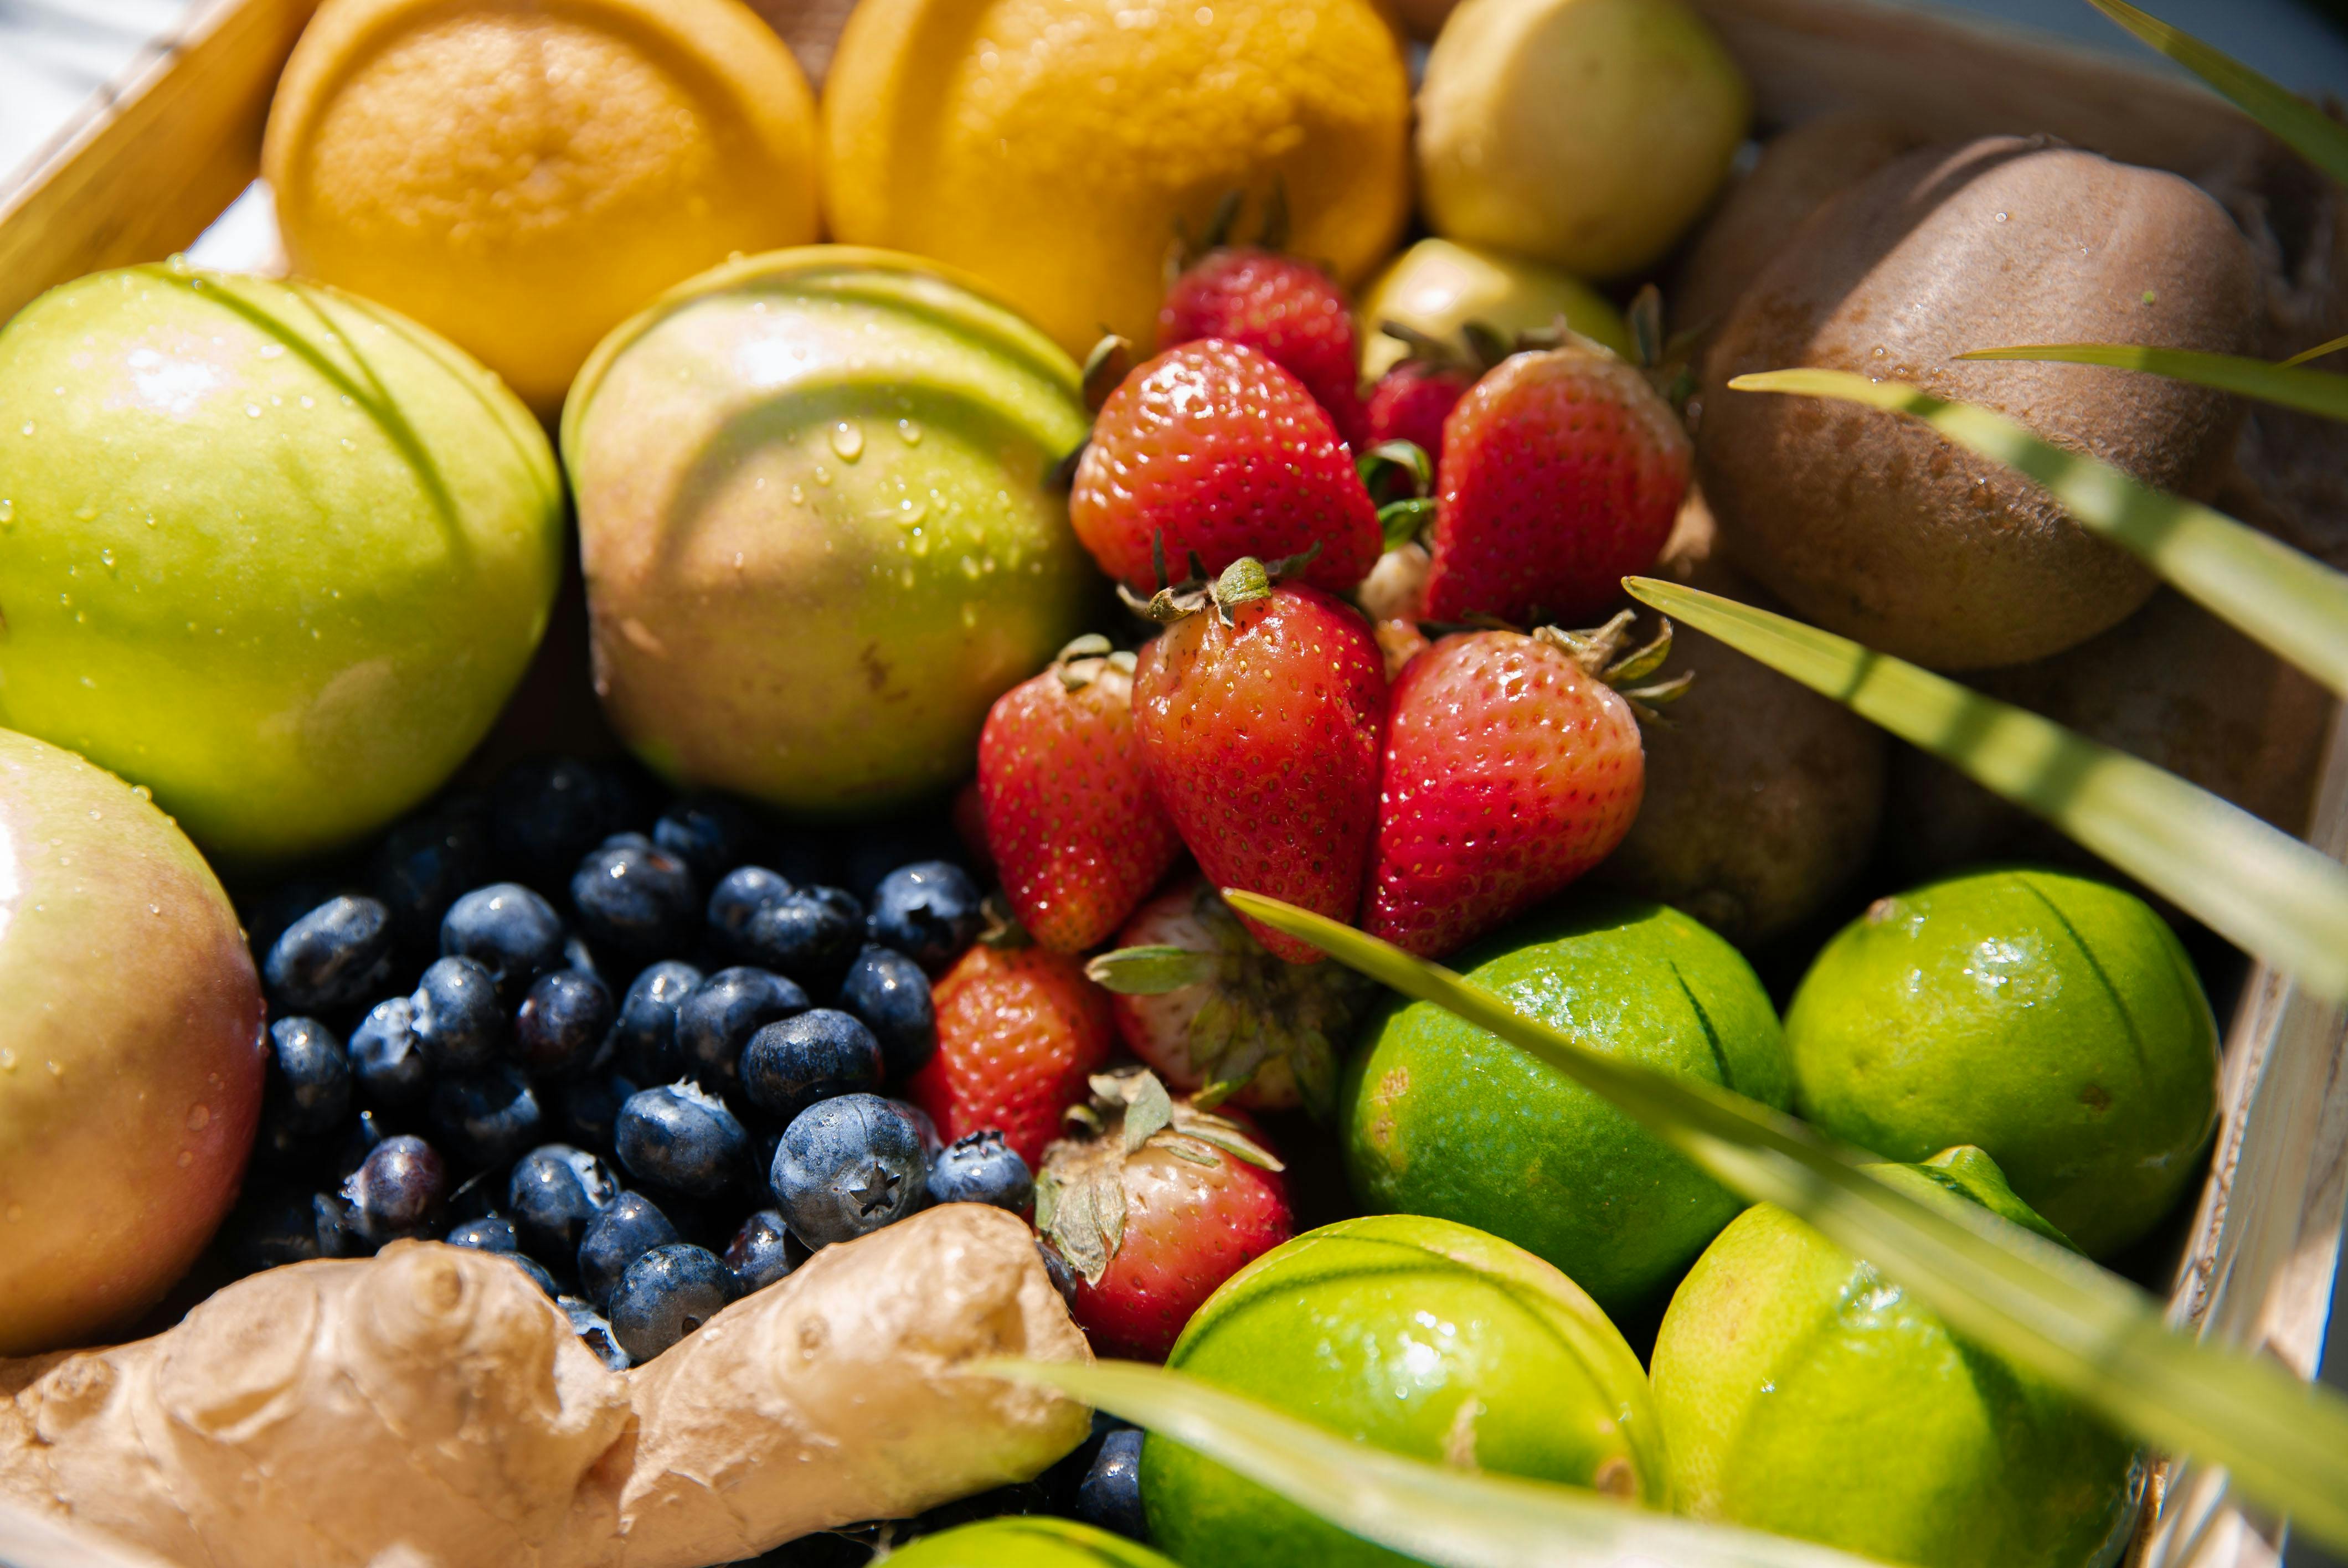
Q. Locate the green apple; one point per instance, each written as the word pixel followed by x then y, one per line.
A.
pixel 266 548
pixel 1438 286
pixel 130 1049
pixel 1026 1541
pixel 818 534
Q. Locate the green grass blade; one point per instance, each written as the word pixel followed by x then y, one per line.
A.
pixel 2039 1305
pixel 2293 120
pixel 2311 391
pixel 2261 889
pixel 1458 1518
pixel 2318 352
pixel 2292 603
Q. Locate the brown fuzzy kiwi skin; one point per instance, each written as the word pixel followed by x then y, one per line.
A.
pixel 1762 796
pixel 1797 172
pixel 2172 684
pixel 1869 523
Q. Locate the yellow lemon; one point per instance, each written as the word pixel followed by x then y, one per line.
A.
pixel 523 175
pixel 1051 147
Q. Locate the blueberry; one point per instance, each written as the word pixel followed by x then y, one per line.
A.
pixel 644 1041
pixel 308 1089
pixel 587 1109
pixel 720 1015
pixel 929 911
pixel 535 1269
pixel 398 1192
pixel 881 847
pixel 1062 1278
pixel 811 936
pixel 562 1022
pixel 426 861
pixel 680 1138
pixel 634 896
pixel 491 1235
pixel 666 1295
pixel 547 811
pixel 331 1217
pixel 789 1065
pixel 980 1168
pixel 1110 1493
pixel 510 930
pixel 386 1058
pixel 267 913
pixel 554 1195
pixel 740 893
pixel 271 1226
pixel 710 834
pixel 622 1233
pixel 891 994
pixel 762 1251
pixel 849 1165
pixel 456 1017
pixel 577 954
pixel 594 1331
pixel 332 956
pixel 367 1129
pixel 485 1118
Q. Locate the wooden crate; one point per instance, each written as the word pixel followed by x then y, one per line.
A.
pixel 161 156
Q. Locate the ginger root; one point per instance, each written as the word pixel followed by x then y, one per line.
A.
pixel 431 1400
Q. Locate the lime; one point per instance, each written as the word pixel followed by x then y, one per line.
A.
pixel 1416 1336
pixel 2052 1020
pixel 1441 1118
pixel 1027 1542
pixel 1805 1394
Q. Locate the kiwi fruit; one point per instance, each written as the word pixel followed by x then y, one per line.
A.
pixel 1797 172
pixel 1762 796
pixel 2172 684
pixel 1871 524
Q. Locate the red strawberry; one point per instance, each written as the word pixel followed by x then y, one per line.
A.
pixel 1199 1001
pixel 1070 821
pixel 1154 1210
pixel 1285 307
pixel 1261 719
pixel 1561 472
pixel 1020 1029
pixel 1219 451
pixel 1510 770
pixel 1411 402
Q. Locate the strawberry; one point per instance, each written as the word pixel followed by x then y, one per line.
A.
pixel 1153 1205
pixel 1561 472
pixel 1200 1002
pixel 1261 710
pixel 1213 449
pixel 1512 766
pixel 1020 1028
pixel 1070 821
pixel 1282 306
pixel 1411 402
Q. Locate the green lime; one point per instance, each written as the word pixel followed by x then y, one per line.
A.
pixel 2052 1020
pixel 1026 1541
pixel 1416 1336
pixel 1441 1118
pixel 1803 1393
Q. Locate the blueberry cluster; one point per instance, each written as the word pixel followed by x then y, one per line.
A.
pixel 651 1068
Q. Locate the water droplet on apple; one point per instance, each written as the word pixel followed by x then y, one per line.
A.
pixel 848 441
pixel 909 432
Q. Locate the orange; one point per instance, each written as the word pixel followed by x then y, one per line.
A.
pixel 523 175
pixel 1050 147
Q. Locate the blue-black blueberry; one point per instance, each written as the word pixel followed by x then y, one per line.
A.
pixel 510 931
pixel 644 1040
pixel 718 1017
pixel 586 1111
pixel 594 1331
pixel 634 897
pixel 1110 1494
pixel 666 1295
pixel 549 811
pixel 811 936
pixel 335 956
pixel 848 1166
pixel 708 832
pixel 980 1168
pixel 791 1064
pixel 456 1016
pixel 740 893
pixel 387 1061
pixel 622 1233
pixel 762 1251
pixel 562 1022
pixel 554 1195
pixel 678 1137
pixel 929 911
pixel 891 994
pixel 398 1190
pixel 494 1234
pixel 486 1118
pixel 424 861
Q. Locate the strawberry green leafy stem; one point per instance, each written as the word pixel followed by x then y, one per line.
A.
pixel 2260 888
pixel 1458 1518
pixel 2271 593
pixel 2309 391
pixel 2310 133
pixel 2087 1332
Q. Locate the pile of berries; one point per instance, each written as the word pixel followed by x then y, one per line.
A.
pixel 654 1068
